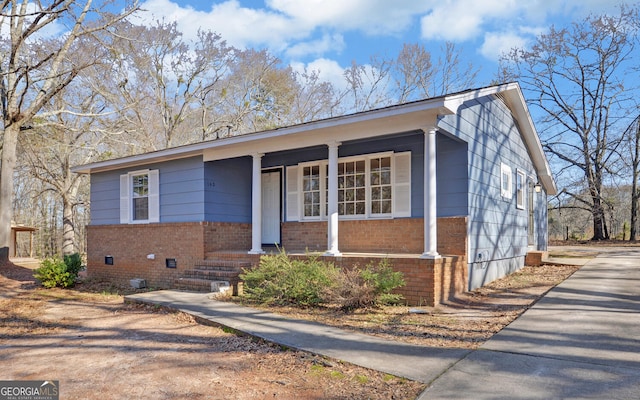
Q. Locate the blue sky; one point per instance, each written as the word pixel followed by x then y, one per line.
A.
pixel 327 35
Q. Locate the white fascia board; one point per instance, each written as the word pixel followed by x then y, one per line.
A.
pixel 421 114
pixel 322 134
pixel 518 106
pixel 394 119
pixel 142 159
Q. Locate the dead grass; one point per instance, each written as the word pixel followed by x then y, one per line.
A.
pixel 92 342
pixel 466 321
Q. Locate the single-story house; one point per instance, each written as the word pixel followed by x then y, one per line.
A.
pixel 452 189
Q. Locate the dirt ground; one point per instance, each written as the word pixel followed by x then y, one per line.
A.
pixel 99 347
pixel 467 321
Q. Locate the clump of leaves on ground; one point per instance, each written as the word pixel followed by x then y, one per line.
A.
pixel 280 279
pixel 59 272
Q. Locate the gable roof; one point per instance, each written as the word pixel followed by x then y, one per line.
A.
pixel 365 124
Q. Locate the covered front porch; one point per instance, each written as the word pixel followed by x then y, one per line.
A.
pixel 293 225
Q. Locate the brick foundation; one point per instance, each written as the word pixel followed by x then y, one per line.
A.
pixel 534 258
pixel 428 282
pixel 225 236
pixel 400 236
pixel 129 245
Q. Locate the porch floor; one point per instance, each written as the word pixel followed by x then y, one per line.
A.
pixel 303 252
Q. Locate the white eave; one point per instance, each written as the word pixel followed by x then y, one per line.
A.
pixel 421 114
pixel 514 99
pixel 384 121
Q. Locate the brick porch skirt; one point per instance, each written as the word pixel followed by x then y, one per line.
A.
pixel 148 251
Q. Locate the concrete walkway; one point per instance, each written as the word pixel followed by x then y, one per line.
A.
pixel 418 363
pixel 581 341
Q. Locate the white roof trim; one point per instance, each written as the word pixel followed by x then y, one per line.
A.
pixel 515 101
pixel 399 118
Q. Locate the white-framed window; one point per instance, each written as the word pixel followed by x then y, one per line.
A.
pixel 520 189
pixel 311 191
pixel 352 187
pixel 506 181
pixel 369 186
pixel 139 197
pixel 381 189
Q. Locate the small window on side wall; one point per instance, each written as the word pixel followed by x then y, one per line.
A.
pixel 506 181
pixel 139 197
pixel 520 188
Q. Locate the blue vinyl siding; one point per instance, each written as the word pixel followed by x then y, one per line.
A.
pixel 228 190
pixel 452 185
pixel 181 192
pixel 105 198
pixel 497 228
pixel 451 165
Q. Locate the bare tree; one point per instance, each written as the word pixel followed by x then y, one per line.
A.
pixel 633 138
pixel 368 85
pixel 314 99
pixel 67 138
pixel 34 70
pixel 412 75
pixel 582 89
pixel 417 75
pixel 258 93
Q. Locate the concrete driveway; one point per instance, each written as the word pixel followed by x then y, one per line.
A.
pixel 581 341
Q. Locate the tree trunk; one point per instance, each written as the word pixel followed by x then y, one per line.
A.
pixel 68 228
pixel 635 193
pixel 634 213
pixel 599 223
pixel 7 168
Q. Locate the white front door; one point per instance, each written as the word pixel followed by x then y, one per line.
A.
pixel 271 192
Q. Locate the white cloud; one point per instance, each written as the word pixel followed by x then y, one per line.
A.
pixel 328 71
pixel 318 28
pixel 283 22
pixel 327 43
pixel 459 20
pixel 239 26
pixel 495 44
pixel 370 16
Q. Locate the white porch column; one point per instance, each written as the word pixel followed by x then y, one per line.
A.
pixel 430 210
pixel 256 205
pixel 332 201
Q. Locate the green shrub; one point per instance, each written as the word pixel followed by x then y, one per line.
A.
pixel 59 272
pixel 278 279
pixel 367 287
pixel 73 263
pixel 384 279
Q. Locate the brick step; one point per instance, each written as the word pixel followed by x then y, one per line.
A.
pixel 212 274
pixel 192 284
pixel 222 264
pixel 202 285
pixel 207 275
pixel 241 256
